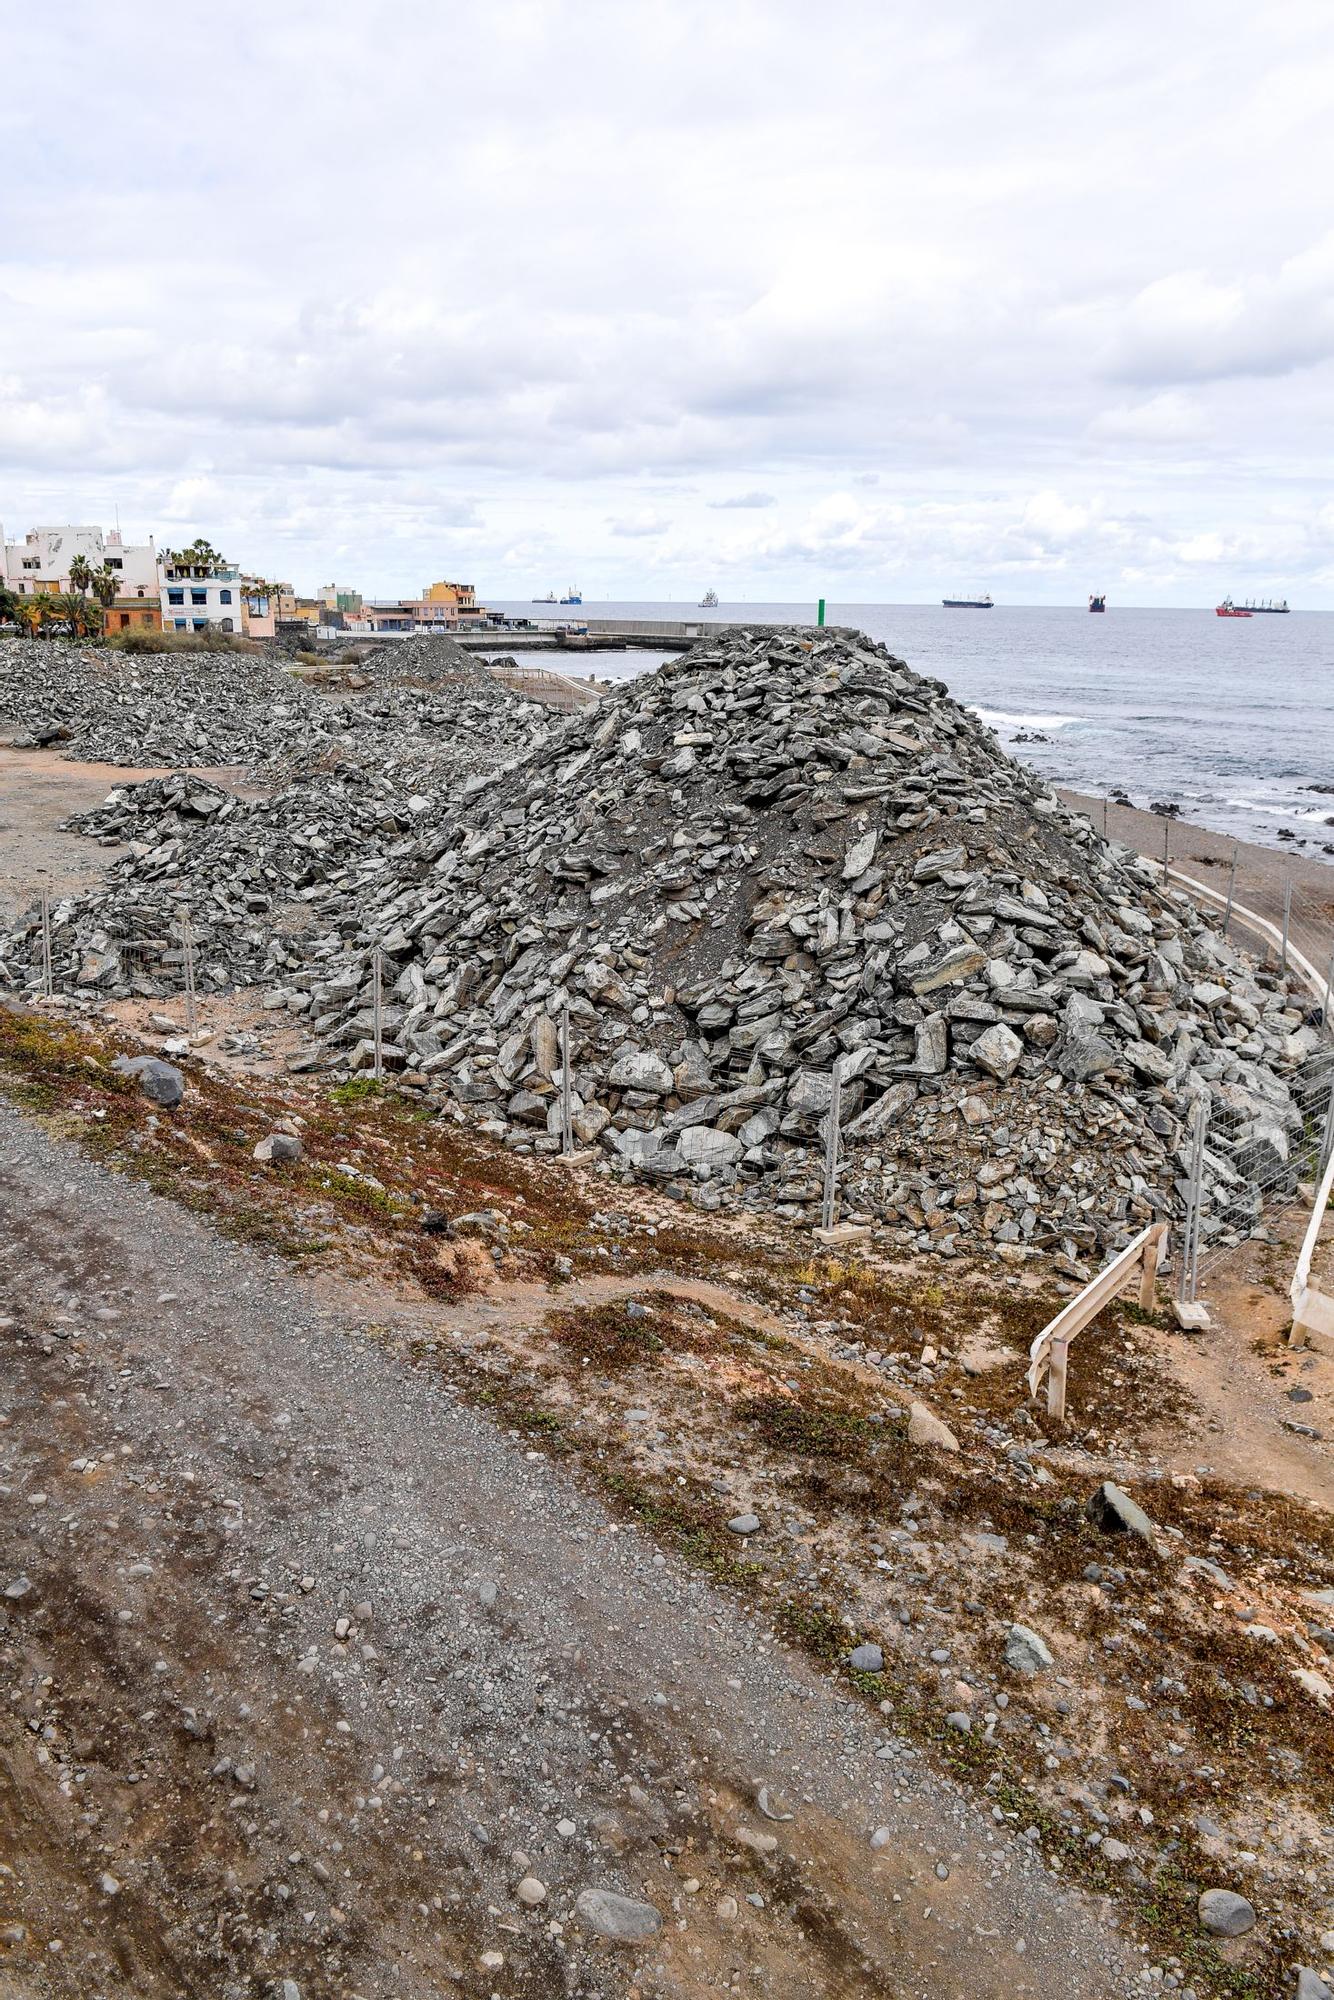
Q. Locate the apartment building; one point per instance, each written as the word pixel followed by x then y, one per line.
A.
pixel 196 594
pixel 41 561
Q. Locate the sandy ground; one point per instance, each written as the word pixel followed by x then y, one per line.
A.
pixel 39 789
pixel 311 1665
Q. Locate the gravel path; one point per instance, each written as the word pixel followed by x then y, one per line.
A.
pixel 334 1664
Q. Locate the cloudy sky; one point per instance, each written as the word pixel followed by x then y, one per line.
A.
pixel 864 299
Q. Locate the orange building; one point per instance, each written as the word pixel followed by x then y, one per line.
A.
pixel 133 614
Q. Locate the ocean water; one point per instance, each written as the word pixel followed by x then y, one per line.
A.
pixel 1232 720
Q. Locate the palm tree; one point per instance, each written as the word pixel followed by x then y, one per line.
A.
pixel 80 575
pixel 78 614
pixel 105 585
pixel 201 558
pixel 44 612
pixel 9 605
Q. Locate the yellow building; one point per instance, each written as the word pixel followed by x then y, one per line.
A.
pixel 457 601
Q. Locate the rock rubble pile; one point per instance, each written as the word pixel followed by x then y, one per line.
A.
pixel 237 709
pixel 778 854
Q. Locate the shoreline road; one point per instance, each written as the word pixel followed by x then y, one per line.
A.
pixel 319 1683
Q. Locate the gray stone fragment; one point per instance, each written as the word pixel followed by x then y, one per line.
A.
pixel 702 1146
pixel 641 1070
pixel 1225 1914
pixel 925 1428
pixel 998 1050
pixel 1117 1514
pixel 161 1082
pixel 1026 1651
pixel 866 1659
pixel 744 1524
pixel 281 1148
pixel 621 1918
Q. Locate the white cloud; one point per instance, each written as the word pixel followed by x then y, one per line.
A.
pixel 745 500
pixel 525 287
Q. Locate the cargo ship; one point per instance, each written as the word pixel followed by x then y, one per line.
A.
pixel 1227 609
pixel 1279 607
pixel 550 598
pixel 572 596
pixel 1098 601
pixel 983 603
pixel 709 600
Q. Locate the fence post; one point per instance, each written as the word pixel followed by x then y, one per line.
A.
pixel 188 953
pixel 1167 832
pixel 1148 1274
pixel 831 1149
pixel 1057 1361
pixel 1287 918
pixel 377 976
pixel 1104 819
pixel 1231 886
pixel 1329 984
pixel 48 983
pixel 1188 1273
pixel 566 1128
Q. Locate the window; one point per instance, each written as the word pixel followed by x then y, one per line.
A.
pixel 176 597
pixel 115 562
pixel 224 597
pixel 179 623
pixel 200 624
pixel 31 562
pixel 226 624
pixel 199 597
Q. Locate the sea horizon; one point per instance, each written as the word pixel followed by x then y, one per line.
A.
pixel 1229 720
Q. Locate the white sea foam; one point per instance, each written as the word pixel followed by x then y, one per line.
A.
pixel 1000 718
pixel 1316 816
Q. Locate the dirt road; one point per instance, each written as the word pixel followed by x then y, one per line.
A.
pixel 307 1666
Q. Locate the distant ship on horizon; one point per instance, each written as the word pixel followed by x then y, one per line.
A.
pixel 1227 609
pixel 982 603
pixel 1098 601
pixel 1278 606
pixel 708 601
pixel 572 596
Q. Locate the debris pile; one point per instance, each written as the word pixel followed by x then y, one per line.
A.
pixel 235 709
pixel 776 855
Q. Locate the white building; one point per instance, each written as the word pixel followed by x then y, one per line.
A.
pixel 41 560
pixel 195 596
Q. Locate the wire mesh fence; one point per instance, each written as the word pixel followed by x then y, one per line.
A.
pixel 1248 1161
